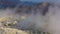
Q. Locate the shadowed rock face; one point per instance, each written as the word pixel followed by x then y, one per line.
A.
pixel 41 8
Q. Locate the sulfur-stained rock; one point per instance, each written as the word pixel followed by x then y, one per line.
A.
pixel 11 31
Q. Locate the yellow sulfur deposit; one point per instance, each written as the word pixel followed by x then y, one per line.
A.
pixel 8 20
pixel 3 19
pixel 5 30
pixel 11 20
pixel 14 22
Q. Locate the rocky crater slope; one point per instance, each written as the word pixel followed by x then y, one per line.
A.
pixel 9 25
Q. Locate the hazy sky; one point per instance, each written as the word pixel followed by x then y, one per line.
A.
pixel 43 0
